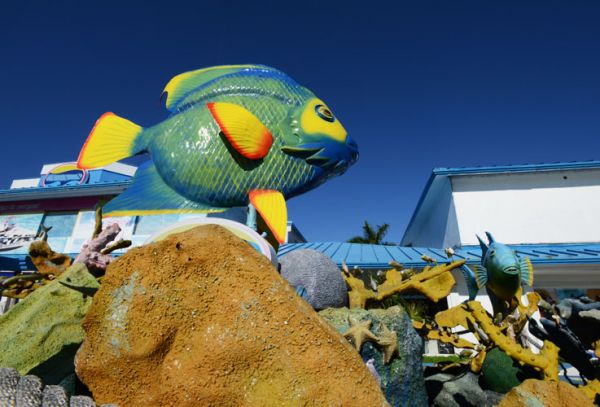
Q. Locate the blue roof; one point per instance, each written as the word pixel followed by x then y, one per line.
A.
pixel 369 256
pixel 62 191
pixel 516 168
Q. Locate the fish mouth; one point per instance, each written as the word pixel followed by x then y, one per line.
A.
pixel 317 157
pixel 302 152
pixel 330 155
pixel 511 270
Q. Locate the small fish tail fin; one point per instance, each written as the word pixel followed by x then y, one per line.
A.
pixel 481 276
pixel 527 271
pixel 112 139
pixel 471 281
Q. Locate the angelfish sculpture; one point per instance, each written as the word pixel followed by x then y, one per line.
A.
pixel 501 272
pixel 237 134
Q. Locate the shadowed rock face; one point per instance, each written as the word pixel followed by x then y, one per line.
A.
pixel 41 334
pixel 202 319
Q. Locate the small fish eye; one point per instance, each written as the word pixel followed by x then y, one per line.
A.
pixel 324 113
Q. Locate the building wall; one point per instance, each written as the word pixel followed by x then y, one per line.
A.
pixel 434 224
pixel 543 207
pixel 71 229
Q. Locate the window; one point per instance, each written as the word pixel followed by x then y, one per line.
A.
pixel 62 224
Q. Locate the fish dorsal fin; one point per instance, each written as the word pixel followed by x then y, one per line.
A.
pixel 527 271
pixel 245 132
pixel 484 247
pixel 273 210
pixel 481 276
pixel 186 82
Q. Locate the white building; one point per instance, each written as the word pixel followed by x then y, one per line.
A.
pixel 548 212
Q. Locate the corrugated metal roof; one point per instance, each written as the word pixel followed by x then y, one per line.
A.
pixel 369 256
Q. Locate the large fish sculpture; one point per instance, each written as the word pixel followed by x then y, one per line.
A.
pixel 501 272
pixel 236 135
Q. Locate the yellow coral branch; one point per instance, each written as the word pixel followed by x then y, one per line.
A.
pixel 433 282
pixel 546 361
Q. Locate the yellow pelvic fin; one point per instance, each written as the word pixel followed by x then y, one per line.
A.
pixel 186 82
pixel 111 139
pixel 245 132
pixel 272 208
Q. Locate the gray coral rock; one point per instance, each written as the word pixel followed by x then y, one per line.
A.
pixel 446 390
pixel 29 391
pixel 54 396
pixel 318 274
pixel 9 380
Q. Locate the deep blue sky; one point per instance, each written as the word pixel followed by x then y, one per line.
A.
pixel 417 84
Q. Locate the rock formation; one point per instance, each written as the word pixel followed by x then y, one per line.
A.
pixel 543 393
pixel 41 334
pixel 201 318
pixel 318 274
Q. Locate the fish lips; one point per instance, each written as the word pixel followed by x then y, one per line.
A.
pixel 511 270
pixel 333 156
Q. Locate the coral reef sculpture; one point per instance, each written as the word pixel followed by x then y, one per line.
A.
pixel 435 282
pixel 95 254
pixel 48 263
pixel 472 316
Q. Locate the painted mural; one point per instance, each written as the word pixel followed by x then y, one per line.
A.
pixel 17 231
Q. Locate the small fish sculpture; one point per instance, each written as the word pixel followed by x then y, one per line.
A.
pixel 236 135
pixel 501 272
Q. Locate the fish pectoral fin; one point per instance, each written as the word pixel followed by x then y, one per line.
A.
pixel 471 281
pixel 527 271
pixel 112 139
pixel 246 133
pixel 149 195
pixel 273 210
pixel 481 276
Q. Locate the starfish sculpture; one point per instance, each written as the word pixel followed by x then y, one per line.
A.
pixel 360 332
pixel 388 341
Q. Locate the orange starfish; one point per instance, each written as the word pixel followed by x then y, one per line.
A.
pixel 359 333
pixel 388 343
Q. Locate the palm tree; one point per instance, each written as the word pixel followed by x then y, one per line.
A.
pixel 371 235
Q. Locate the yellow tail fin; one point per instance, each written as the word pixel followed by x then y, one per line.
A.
pixel 111 139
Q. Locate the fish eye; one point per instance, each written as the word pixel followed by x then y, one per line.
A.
pixel 492 253
pixel 324 113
